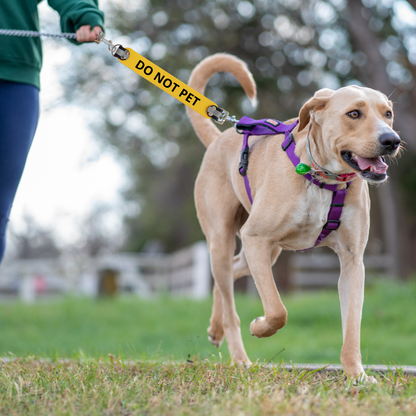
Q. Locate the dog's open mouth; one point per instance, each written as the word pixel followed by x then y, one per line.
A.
pixel 371 169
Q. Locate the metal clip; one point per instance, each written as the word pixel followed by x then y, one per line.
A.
pixel 116 50
pixel 232 120
pixel 220 116
pixel 217 114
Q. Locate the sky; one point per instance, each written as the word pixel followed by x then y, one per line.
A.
pixel 66 174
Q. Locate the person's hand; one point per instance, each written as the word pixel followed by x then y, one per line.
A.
pixel 85 34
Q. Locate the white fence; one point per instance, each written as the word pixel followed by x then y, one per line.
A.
pixel 313 270
pixel 185 272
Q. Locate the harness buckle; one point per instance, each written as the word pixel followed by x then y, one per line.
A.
pixel 286 145
pixel 243 165
pixel 336 224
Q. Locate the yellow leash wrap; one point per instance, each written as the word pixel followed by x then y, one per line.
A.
pixel 168 83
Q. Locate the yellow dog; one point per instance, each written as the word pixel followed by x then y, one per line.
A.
pixel 350 130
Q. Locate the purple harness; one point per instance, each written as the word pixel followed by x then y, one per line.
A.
pixel 250 127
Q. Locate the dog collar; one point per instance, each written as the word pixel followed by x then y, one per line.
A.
pixel 318 170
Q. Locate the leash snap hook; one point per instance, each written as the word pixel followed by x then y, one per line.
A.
pixel 116 50
pixel 220 115
pixel 233 121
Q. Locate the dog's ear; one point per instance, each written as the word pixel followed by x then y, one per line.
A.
pixel 317 102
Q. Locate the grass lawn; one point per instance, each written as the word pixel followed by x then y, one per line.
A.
pixel 175 328
pixel 92 387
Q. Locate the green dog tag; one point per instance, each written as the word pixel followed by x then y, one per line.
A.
pixel 302 169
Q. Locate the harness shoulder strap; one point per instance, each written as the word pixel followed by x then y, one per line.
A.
pixel 250 127
pixel 262 127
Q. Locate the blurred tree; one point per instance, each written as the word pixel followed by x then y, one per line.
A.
pixel 33 241
pixel 97 237
pixel 293 48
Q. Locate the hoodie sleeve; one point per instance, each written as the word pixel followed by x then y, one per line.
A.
pixel 77 13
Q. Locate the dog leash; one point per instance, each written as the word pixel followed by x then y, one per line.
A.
pixel 167 82
pixel 151 72
pixel 250 127
pixel 34 34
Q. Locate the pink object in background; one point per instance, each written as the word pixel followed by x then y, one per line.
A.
pixel 39 283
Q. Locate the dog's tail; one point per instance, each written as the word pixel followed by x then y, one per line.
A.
pixel 221 62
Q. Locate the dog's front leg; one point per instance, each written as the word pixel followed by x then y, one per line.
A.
pixel 259 252
pixel 240 269
pixel 351 294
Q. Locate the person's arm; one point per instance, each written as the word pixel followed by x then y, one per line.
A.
pixel 80 16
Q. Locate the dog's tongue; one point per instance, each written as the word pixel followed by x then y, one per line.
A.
pixel 378 164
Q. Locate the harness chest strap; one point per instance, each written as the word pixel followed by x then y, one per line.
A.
pixel 250 127
pixel 338 196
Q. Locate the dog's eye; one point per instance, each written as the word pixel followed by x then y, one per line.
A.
pixel 354 114
pixel 389 114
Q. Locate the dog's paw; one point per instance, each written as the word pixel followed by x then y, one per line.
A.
pixel 216 338
pixel 260 328
pixel 214 342
pixel 243 362
pixel 363 379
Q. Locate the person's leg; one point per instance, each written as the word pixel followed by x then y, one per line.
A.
pixel 19 113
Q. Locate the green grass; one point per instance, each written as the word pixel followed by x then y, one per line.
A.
pixel 93 387
pixel 141 333
pixel 173 328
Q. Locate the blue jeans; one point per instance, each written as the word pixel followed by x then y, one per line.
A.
pixel 19 113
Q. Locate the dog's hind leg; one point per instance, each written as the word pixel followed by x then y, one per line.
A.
pixel 216 330
pixel 221 262
pixel 217 216
pixel 259 252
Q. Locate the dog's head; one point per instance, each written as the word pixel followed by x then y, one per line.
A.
pixel 355 127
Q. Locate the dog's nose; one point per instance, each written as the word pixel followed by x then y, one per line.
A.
pixel 390 141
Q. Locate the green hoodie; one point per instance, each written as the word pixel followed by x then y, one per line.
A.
pixel 21 58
